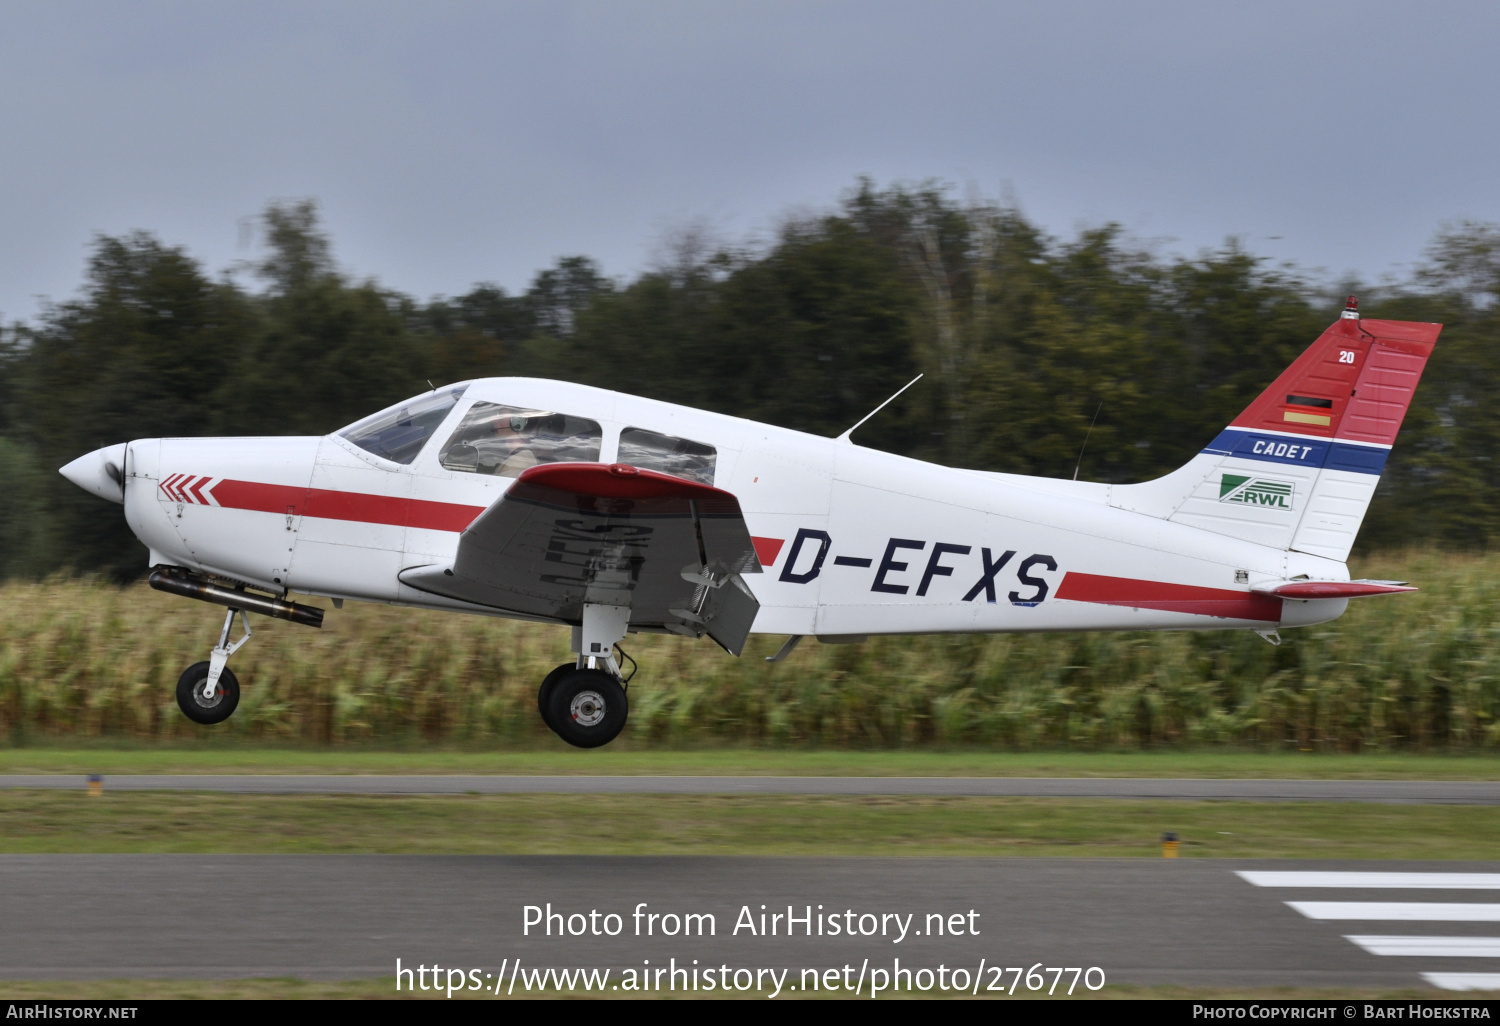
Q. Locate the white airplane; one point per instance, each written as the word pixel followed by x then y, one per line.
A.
pixel 561 503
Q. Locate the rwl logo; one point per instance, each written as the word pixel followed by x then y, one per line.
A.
pixel 1255 491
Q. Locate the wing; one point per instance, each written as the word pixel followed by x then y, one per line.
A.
pixel 569 534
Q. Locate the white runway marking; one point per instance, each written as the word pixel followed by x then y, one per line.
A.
pixel 1405 911
pixel 1428 947
pixel 1405 881
pixel 1464 981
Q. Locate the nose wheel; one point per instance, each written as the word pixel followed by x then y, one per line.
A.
pixel 209 692
pixel 200 706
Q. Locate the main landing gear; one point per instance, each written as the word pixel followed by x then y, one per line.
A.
pixel 584 701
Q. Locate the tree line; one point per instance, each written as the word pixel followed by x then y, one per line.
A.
pixel 1025 341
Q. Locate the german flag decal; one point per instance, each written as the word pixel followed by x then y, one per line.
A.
pixel 1308 414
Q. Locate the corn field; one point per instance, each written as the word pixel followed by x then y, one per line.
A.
pixel 83 660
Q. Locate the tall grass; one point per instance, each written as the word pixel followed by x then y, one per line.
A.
pixel 84 660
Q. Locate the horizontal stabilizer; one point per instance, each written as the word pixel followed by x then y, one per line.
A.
pixel 1334 589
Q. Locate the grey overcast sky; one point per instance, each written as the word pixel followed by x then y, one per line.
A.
pixel 449 143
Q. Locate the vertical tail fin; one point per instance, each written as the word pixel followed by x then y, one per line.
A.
pixel 1298 468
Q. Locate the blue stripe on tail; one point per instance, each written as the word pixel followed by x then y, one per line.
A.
pixel 1299 451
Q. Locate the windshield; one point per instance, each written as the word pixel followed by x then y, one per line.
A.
pixel 398 433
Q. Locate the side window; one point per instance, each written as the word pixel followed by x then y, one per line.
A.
pixel 677 456
pixel 505 440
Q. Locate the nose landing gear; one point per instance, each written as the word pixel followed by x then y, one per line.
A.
pixel 209 692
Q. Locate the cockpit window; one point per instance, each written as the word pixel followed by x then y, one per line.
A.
pixel 505 440
pixel 398 433
pixel 677 456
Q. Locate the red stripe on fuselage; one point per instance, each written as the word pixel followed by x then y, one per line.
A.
pixel 1175 598
pixel 359 507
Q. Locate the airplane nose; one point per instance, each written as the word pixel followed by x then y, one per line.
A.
pixel 101 472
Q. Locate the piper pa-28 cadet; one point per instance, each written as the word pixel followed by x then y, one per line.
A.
pixel 560 503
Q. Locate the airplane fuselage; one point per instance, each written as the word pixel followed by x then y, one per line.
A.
pixel 853 541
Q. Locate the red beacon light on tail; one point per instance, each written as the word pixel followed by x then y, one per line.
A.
pixel 1351 310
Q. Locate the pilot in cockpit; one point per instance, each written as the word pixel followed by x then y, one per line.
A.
pixel 507 440
pixel 515 435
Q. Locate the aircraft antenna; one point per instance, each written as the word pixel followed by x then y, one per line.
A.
pixel 1086 434
pixel 845 436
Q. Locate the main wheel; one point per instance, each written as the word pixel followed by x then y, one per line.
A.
pixel 544 693
pixel 587 708
pixel 207 710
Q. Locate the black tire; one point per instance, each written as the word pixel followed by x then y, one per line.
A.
pixel 190 695
pixel 545 692
pixel 588 708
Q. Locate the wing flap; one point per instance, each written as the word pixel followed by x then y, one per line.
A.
pixel 733 613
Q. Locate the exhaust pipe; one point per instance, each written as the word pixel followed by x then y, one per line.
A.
pixel 197 588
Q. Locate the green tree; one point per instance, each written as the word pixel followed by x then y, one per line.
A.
pixel 810 336
pixel 28 548
pixel 145 351
pixel 325 351
pixel 1023 339
pixel 1443 479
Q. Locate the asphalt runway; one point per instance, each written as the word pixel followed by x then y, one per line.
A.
pixel 1194 922
pixel 1438 792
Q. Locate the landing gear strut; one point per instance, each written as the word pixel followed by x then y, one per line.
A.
pixel 209 692
pixel 584 702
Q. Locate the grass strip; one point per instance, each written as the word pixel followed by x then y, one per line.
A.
pixel 234 758
pixel 35 822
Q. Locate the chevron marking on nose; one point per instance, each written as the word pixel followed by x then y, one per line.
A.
pixel 196 489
